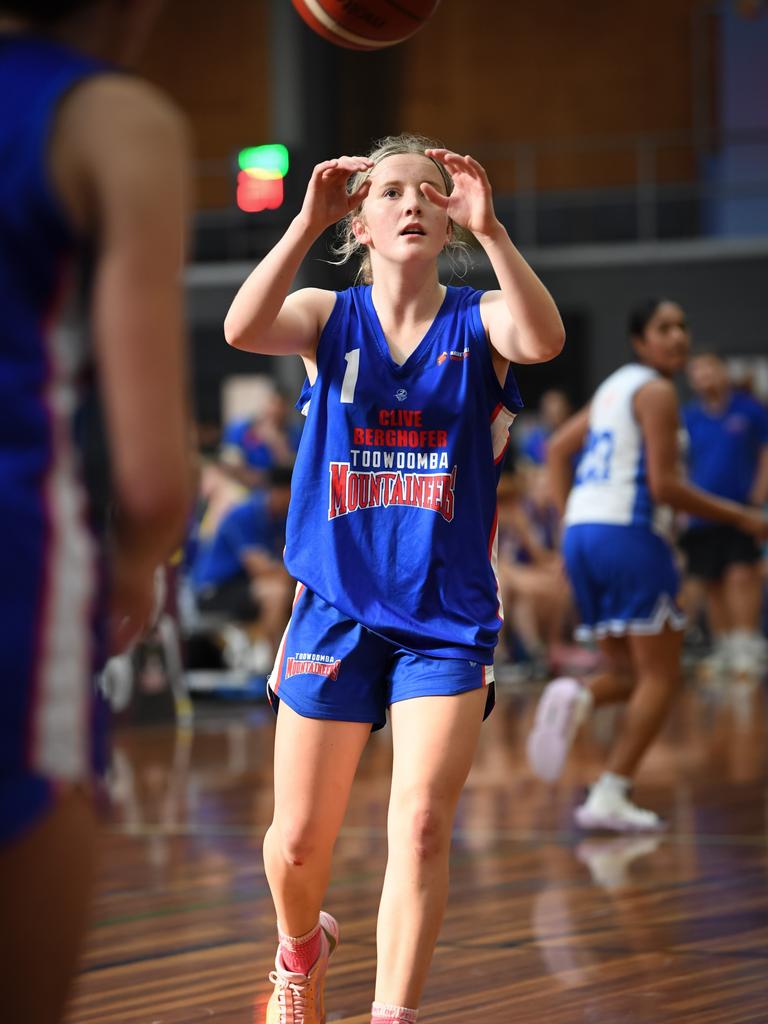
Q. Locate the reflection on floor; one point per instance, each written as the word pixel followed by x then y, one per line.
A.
pixel 544 924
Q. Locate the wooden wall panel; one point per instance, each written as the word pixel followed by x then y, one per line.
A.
pixel 214 60
pixel 506 71
pixel 483 75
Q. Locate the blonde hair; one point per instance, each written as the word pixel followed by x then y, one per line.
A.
pixel 347 246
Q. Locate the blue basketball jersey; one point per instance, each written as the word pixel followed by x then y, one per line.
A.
pixel 51 611
pixel 393 509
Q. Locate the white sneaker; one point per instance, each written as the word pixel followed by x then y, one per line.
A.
pixel 261 657
pixel 747 654
pixel 236 647
pixel 299 998
pixel 561 710
pixel 713 666
pixel 607 808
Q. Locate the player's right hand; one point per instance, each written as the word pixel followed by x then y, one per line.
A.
pixel 753 521
pixel 327 200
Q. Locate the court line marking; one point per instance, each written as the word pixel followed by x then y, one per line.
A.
pixel 565 838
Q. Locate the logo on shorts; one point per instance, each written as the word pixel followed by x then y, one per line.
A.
pixel 313 665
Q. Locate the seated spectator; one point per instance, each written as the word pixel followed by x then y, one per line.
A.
pixel 252 445
pixel 535 593
pixel 239 573
pixel 218 492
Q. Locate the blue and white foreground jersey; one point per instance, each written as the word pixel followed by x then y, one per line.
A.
pixel 393 509
pixel 611 482
pixel 52 612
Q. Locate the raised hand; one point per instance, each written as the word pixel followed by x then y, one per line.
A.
pixel 470 204
pixel 327 199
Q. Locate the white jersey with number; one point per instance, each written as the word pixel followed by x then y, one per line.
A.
pixel 611 480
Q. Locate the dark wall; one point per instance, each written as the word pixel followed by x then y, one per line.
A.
pixel 724 298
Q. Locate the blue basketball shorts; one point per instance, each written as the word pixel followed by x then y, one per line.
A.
pixel 329 666
pixel 624 580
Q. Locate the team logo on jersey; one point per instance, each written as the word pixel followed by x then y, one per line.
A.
pixel 456 355
pixel 352 490
pixel 313 665
pixel 736 424
pixel 401 394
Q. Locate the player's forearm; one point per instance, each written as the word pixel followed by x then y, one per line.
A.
pixel 540 331
pixel 560 472
pixel 150 539
pixel 141 348
pixel 759 494
pixel 153 500
pixel 261 296
pixel 685 497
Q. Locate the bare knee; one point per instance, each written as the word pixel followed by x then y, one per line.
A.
pixel 296 842
pixel 425 827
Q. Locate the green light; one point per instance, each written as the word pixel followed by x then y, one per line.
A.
pixel 272 160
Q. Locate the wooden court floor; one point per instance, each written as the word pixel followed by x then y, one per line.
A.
pixel 543 925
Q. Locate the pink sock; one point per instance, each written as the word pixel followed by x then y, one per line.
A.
pixel 299 954
pixel 385 1013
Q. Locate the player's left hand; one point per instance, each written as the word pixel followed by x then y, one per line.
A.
pixel 134 599
pixel 470 205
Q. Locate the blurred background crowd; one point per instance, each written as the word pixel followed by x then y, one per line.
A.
pixel 623 170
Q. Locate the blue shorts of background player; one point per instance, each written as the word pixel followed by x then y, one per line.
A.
pixel 329 666
pixel 624 580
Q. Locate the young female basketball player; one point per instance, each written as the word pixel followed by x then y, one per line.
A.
pixel 94 176
pixel 391 535
pixel 620 562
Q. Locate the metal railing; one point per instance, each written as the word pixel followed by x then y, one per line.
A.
pixel 650 202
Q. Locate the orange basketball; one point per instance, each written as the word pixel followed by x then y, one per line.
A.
pixel 365 24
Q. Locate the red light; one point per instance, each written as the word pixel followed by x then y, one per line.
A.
pixel 255 194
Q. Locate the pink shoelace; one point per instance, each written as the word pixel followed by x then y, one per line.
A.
pixel 291 998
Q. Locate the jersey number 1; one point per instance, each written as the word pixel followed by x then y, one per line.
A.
pixel 349 383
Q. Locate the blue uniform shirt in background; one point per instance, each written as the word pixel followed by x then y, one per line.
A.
pixel 393 504
pixel 534 446
pixel 242 436
pixel 725 447
pixel 246 526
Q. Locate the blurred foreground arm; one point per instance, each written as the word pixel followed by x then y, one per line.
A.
pixel 124 175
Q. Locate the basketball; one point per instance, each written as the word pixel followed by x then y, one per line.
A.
pixel 365 24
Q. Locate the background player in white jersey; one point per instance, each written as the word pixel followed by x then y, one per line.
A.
pixel 391 534
pixel 620 563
